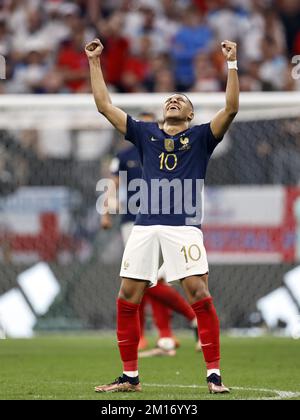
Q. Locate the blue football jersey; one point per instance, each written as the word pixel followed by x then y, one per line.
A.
pixel 128 161
pixel 173 173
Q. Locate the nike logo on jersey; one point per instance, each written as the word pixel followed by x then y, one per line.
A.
pixel 153 139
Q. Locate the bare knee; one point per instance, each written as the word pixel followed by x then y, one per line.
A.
pixel 128 295
pixel 196 288
pixel 132 291
pixel 123 294
pixel 202 292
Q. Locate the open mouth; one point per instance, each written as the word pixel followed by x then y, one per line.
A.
pixel 173 108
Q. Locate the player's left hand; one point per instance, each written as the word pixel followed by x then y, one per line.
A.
pixel 106 222
pixel 229 50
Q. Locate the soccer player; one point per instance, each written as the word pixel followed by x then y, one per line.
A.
pixel 174 153
pixel 162 298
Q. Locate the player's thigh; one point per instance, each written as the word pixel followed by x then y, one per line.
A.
pixel 183 252
pixel 141 255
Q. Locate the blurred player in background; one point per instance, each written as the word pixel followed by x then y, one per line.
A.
pixel 174 152
pixel 162 298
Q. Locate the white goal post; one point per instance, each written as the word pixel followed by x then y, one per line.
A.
pixel 79 111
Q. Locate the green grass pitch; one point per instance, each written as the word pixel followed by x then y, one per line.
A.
pixel 68 368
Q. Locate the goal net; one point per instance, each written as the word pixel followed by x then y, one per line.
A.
pixel 62 271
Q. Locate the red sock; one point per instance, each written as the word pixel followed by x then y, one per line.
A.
pixel 209 331
pixel 172 299
pixel 162 318
pixel 142 310
pixel 128 332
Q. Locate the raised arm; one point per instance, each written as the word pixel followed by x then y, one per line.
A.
pixel 222 121
pixel 116 116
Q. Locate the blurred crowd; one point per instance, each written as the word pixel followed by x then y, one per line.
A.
pixel 150 45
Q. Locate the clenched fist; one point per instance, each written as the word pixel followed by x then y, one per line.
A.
pixel 94 48
pixel 229 50
pixel 106 222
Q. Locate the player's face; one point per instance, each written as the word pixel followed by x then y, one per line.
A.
pixel 178 107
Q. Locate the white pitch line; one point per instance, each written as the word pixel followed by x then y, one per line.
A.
pixel 279 395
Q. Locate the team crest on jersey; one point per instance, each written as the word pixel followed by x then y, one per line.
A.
pixel 185 143
pixel 169 145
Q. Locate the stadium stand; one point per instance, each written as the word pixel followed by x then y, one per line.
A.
pixel 150 46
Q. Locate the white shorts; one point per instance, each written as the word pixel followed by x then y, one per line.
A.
pixel 126 230
pixel 182 250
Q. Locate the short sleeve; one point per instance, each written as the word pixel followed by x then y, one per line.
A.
pixel 135 134
pixel 209 138
pixel 134 131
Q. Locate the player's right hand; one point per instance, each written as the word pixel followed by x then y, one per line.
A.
pixel 106 222
pixel 94 48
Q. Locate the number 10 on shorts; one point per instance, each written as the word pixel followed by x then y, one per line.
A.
pixel 193 253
